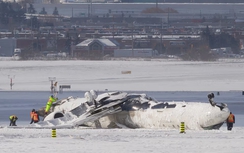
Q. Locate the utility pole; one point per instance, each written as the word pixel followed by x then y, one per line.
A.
pixel 72 12
pixel 91 7
pixel 168 16
pixel 56 41
pixel 113 27
pixel 161 37
pixel 132 45
pixel 157 5
pixel 11 81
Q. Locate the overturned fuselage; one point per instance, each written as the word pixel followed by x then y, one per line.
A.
pixel 118 109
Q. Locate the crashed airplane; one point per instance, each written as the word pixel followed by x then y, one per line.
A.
pixel 121 109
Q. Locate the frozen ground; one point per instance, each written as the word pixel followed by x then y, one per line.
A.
pixel 145 76
pixel 121 141
pixel 154 75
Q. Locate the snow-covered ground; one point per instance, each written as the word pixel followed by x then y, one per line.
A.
pixel 157 75
pixel 120 141
pixel 145 76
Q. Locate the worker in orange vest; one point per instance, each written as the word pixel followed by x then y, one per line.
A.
pixel 230 121
pixel 34 116
pixel 32 112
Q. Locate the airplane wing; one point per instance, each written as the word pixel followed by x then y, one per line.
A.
pixel 81 115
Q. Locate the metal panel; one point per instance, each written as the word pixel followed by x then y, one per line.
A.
pixel 133 53
pixel 7 47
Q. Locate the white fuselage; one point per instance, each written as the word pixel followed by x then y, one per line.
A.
pixel 194 115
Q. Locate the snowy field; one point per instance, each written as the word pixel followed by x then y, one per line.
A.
pixel 155 75
pixel 120 141
pixel 145 76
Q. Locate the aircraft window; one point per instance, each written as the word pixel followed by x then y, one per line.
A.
pixel 145 105
pixel 102 101
pixel 134 105
pixel 171 106
pixel 133 96
pixel 151 99
pixel 163 105
pixel 115 93
pixel 58 115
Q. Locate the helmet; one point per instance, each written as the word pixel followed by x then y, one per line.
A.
pixel 52 96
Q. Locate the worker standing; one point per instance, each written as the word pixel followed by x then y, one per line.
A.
pixel 49 103
pixel 230 121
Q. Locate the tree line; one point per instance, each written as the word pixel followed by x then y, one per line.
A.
pixel 11 12
pixel 210 40
pixel 14 13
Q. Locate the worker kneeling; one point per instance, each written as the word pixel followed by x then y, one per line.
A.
pixel 13 119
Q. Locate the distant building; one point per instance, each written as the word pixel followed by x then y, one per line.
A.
pixel 79 1
pixel 95 48
pixel 138 52
pixel 42 44
pixel 222 52
pixel 7 46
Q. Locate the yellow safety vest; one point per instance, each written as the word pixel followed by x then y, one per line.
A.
pixel 49 103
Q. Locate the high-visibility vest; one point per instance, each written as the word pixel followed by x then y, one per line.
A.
pixel 49 103
pixel 231 118
pixel 13 117
pixel 35 117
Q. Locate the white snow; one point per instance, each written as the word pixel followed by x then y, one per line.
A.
pixel 120 141
pixel 154 75
pixel 145 76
